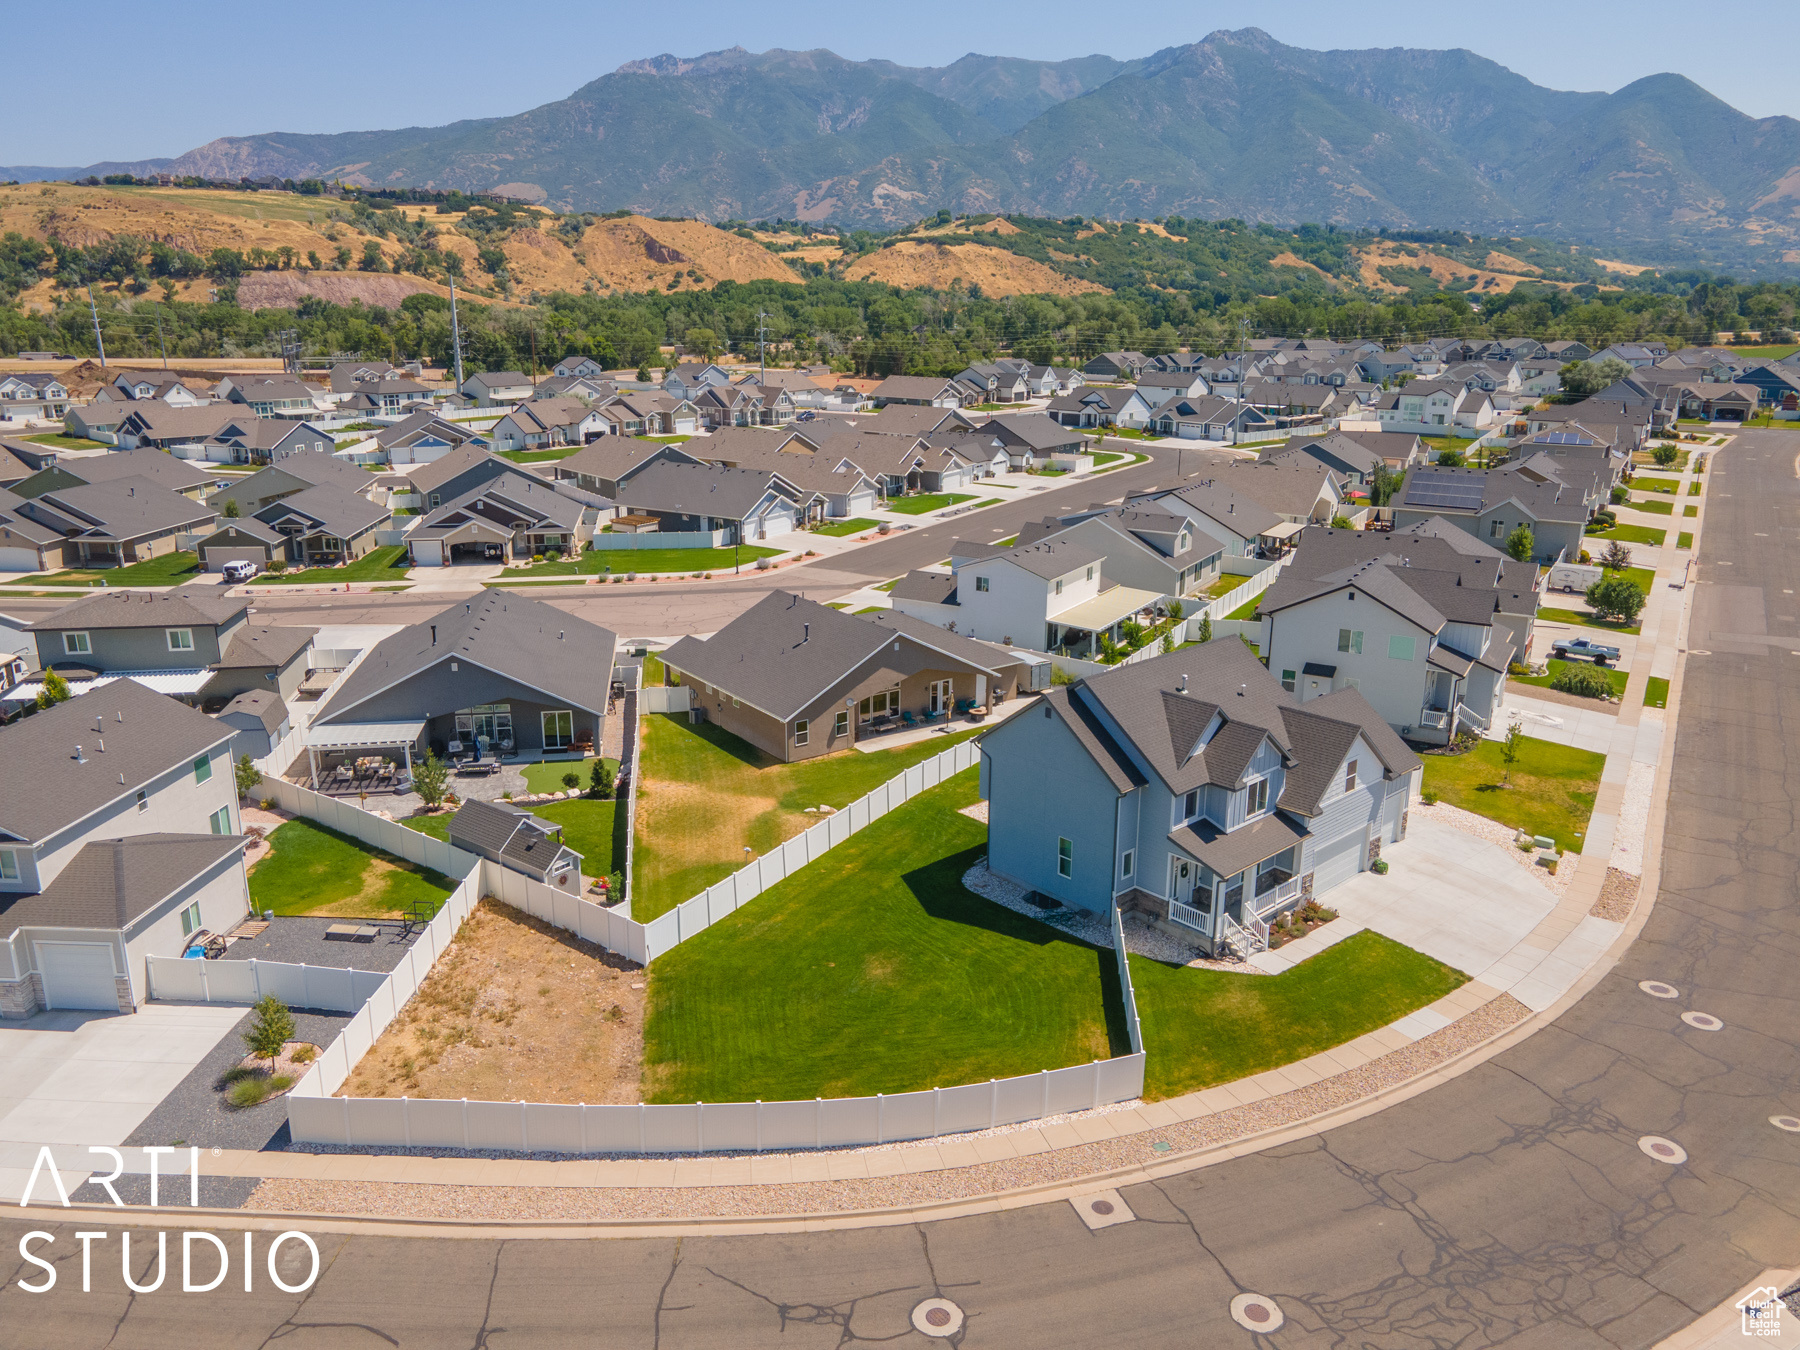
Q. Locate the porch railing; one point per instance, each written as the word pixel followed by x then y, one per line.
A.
pixel 1467 714
pixel 1188 917
pixel 1249 937
pixel 1434 719
pixel 1277 897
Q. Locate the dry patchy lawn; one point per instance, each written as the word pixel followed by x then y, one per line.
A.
pixel 514 1010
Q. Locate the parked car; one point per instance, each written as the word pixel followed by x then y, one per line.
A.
pixel 1597 652
pixel 234 572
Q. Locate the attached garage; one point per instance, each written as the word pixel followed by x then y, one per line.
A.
pixel 78 975
pixel 1337 860
pixel 18 560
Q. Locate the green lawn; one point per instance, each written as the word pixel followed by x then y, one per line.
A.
pixel 1632 534
pixel 1107 457
pixel 927 501
pixel 587 828
pixel 387 563
pixel 1656 692
pixel 164 571
pixel 1649 507
pixel 1648 484
pixel 539 456
pixel 704 795
pixel 623 561
pixel 1615 679
pixel 1247 610
pixel 1697 488
pixel 873 609
pixel 62 442
pixel 1645 457
pixel 837 529
pixel 991 501
pixel 873 970
pixel 1689 512
pixel 1551 793
pixel 1684 540
pixel 1204 1027
pixel 546 775
pixel 315 870
pixel 1586 618
pixel 1772 353
pixel 889 585
pixel 1226 583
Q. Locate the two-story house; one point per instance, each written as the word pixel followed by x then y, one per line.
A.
pixel 1430 407
pixel 1159 386
pixel 1194 788
pixel 1424 622
pixel 1147 548
pixel 1491 503
pixel 127 845
pixel 497 388
pixel 285 398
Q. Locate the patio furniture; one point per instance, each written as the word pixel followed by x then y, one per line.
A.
pixel 908 720
pixel 964 705
pixel 978 714
pixel 351 932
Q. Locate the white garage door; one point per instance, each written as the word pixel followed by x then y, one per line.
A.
pixel 862 501
pixel 18 560
pixel 78 975
pixel 1337 861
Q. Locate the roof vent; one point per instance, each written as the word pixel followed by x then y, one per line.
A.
pixel 121 716
pixel 1182 687
pixel 121 780
pixel 79 757
pixel 102 744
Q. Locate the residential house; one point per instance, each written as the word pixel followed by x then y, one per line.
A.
pixel 604 466
pixel 1115 366
pixel 449 476
pixel 497 388
pixel 742 505
pixel 580 367
pixel 797 679
pixel 1222 507
pixel 1491 503
pixel 1429 407
pixel 1634 354
pixel 20 460
pixel 575 386
pixel 287 398
pixel 1566 350
pixel 1211 419
pixel 420 438
pixel 997 382
pixel 96 421
pixel 1294 404
pixel 692 378
pixel 1777 386
pixel 1357 455
pixel 28 396
pixel 802 390
pixel 500 671
pixel 513 837
pixel 128 844
pixel 1146 547
pixel 171 640
pixel 900 419
pixel 293 473
pixel 325 524
pixel 1036 440
pixel 386 398
pixel 1159 386
pixel 241 539
pixel 846 488
pixel 109 524
pixel 541 424
pixel 158 424
pixel 924 391
pixel 904 463
pixel 257 440
pixel 1194 788
pixel 1423 625
pixel 164 470
pixel 729 405
pixel 506 517
pixel 347 377
pixel 1102 406
pixel 636 413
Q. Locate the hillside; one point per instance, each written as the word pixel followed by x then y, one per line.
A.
pixel 1236 125
pixel 997 271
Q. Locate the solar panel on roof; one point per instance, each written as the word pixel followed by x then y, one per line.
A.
pixel 1454 494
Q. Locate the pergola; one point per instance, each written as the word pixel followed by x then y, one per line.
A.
pixel 361 736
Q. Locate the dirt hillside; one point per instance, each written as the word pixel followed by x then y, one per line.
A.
pixel 1385 253
pixel 1295 260
pixel 995 270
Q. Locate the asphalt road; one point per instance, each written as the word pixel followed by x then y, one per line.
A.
pixel 1511 1206
pixel 674 607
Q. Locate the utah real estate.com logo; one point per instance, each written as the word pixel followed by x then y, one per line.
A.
pixel 1762 1309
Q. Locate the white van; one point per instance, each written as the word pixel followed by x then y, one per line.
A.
pixel 1573 577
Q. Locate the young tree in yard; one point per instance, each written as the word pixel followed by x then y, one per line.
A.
pixel 247 774
pixel 1509 748
pixel 1341 522
pixel 1206 628
pixel 600 782
pixel 1617 598
pixel 1616 556
pixel 1450 459
pixel 231 511
pixel 272 1029
pixel 1665 455
pixel 430 777
pixel 55 690
pixel 1519 544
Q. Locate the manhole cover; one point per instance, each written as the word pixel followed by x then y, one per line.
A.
pixel 1102 1207
pixel 1702 1021
pixel 1257 1313
pixel 937 1317
pixel 1663 1150
pixel 1658 989
pixel 1789 1123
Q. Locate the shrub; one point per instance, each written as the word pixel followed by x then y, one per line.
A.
pixel 1584 681
pixel 1616 557
pixel 248 1092
pixel 1620 495
pixel 600 780
pixel 278 565
pixel 1664 455
pixel 571 779
pixel 267 803
pixel 249 777
pixel 304 1054
pixel 1428 797
pixel 431 776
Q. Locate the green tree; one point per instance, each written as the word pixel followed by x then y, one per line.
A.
pixel 1206 628
pixel 1620 494
pixel 431 778
pixel 1520 544
pixel 1450 459
pixel 1615 597
pixel 247 774
pixel 272 1028
pixel 1341 522
pixel 1665 455
pixel 1616 556
pixel 1509 748
pixel 600 781
pixel 343 257
pixel 1583 378
pixel 312 260
pixel 643 374
pixel 55 690
pixel 1387 483
pixel 230 511
pixel 371 258
pixel 701 342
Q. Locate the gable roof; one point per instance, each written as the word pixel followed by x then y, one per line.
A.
pixel 509 832
pixel 159 466
pixel 111 883
pixel 698 490
pixel 333 508
pixel 264 648
pixel 196 607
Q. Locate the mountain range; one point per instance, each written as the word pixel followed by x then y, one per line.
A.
pixel 1236 125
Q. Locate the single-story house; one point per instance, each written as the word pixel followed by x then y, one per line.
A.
pixel 1098 406
pixel 744 505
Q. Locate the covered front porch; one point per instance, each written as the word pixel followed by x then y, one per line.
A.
pixel 1226 888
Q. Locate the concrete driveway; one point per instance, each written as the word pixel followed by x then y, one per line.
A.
pixel 69 1079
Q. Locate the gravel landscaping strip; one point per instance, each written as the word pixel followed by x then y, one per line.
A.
pixel 1633 819
pixel 585 1204
pixel 1618 895
pixel 172 1189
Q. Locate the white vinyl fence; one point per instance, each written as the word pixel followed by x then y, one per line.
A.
pixel 1252 586
pixel 661 698
pixel 333 988
pixel 751 880
pixel 347 818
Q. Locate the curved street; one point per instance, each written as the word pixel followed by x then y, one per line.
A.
pixel 1509 1206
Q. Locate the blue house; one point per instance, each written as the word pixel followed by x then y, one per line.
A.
pixel 1196 789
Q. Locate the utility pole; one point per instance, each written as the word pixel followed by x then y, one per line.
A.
pixel 159 338
pixel 94 310
pixel 762 364
pixel 455 335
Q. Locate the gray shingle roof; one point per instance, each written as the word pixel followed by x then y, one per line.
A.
pixel 112 882
pixel 129 508
pixel 1229 854
pixel 145 734
pixel 159 466
pixel 260 648
pixel 191 608
pixel 510 832
pixel 1226 501
pixel 335 509
pixel 697 490
pixel 526 640
pixel 264 705
pixel 938 588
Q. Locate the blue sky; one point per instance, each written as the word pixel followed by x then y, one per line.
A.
pixel 159 86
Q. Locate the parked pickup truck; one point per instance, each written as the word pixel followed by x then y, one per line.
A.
pixel 1598 653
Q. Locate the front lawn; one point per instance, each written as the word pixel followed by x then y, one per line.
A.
pixel 1684 540
pixel 1689 512
pixel 704 795
pixel 314 870
pixel 1587 619
pixel 387 563
pixel 1650 507
pixel 164 571
pixel 874 970
pixel 1615 679
pixel 1632 534
pixel 837 529
pixel 1204 1027
pixel 1107 457
pixel 1551 793
pixel 624 561
pixel 927 501
pixel 1649 483
pixel 62 442
pixel 540 456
